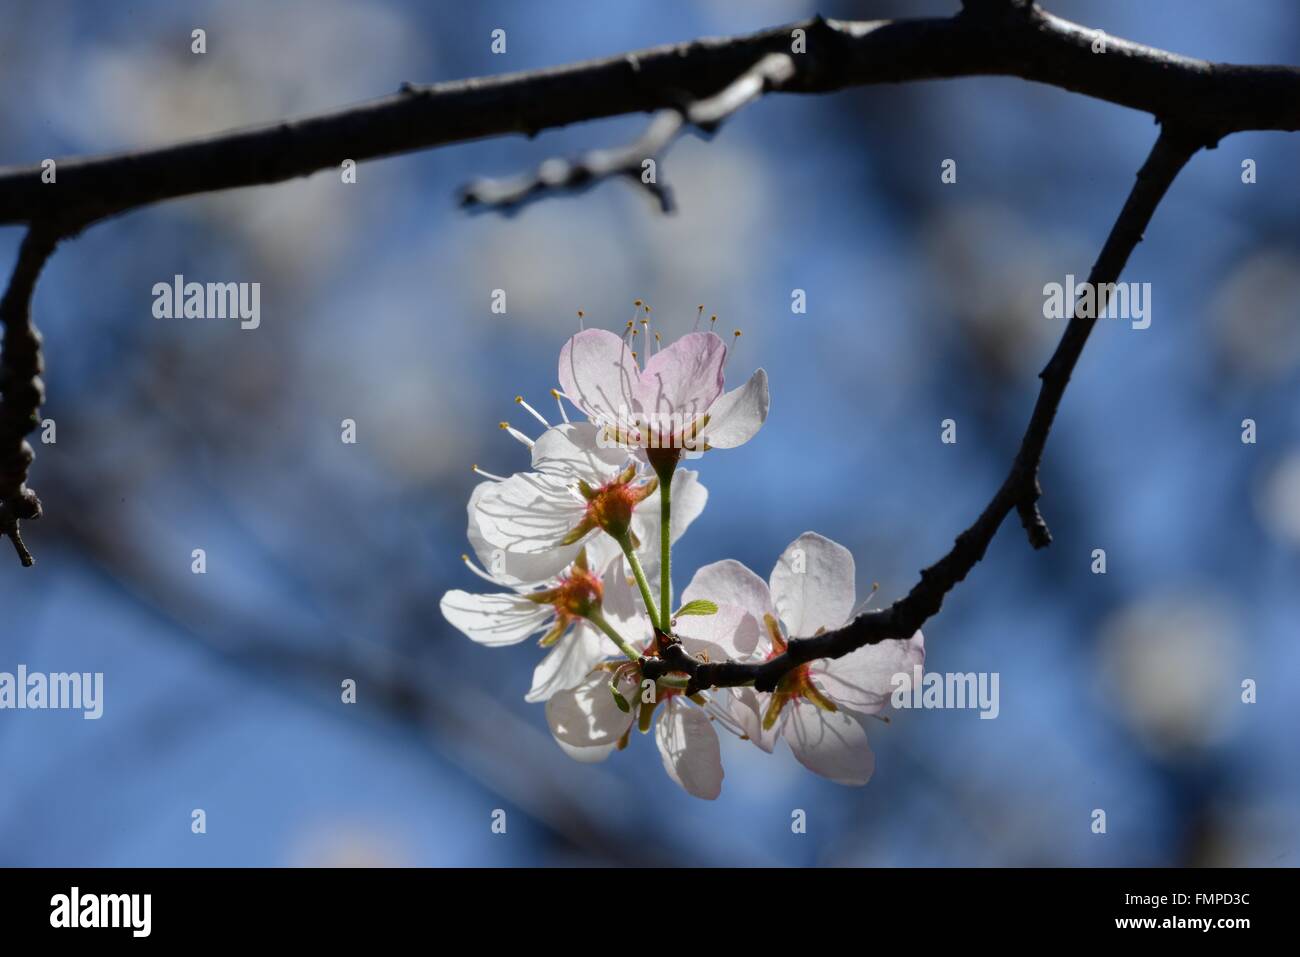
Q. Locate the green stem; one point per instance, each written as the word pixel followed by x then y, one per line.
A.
pixel 625 543
pixel 598 619
pixel 666 545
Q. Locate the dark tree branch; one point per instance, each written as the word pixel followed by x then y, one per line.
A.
pixel 21 389
pixel 1019 491
pixel 1011 39
pixel 573 175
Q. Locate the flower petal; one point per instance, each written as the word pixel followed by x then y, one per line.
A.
pixel 813 585
pixel 587 755
pixel 730 582
pixel 496 619
pixel 507 567
pixel 689 748
pixel 530 514
pixel 569 662
pixel 830 743
pixel 730 632
pixel 863 680
pixel 683 379
pixel 747 707
pixel 572 451
pixel 622 607
pixel 586 716
pixel 599 375
pixel 738 415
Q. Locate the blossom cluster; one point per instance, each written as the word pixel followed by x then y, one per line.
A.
pixel 577 550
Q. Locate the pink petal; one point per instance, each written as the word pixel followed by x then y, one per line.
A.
pixel 683 379
pixel 599 375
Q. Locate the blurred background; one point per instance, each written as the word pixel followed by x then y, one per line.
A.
pixel 326 561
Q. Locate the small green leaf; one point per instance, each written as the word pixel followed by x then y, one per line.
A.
pixel 620 700
pixel 701 606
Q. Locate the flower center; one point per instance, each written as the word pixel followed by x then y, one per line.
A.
pixel 795 683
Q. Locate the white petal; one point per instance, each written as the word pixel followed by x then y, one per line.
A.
pixel 689 747
pixel 689 499
pixel 730 582
pixel 863 680
pixel 568 663
pixel 747 707
pixel 586 716
pixel 599 375
pixel 497 619
pixel 530 514
pixel 507 567
pixel 738 415
pixel 813 585
pixel 830 743
pixel 731 632
pixel 587 755
pixel 623 609
pixel 572 451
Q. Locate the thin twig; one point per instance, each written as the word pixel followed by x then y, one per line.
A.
pixel 1019 491
pixel 558 175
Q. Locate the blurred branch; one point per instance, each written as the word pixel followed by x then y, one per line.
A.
pixel 21 389
pixel 1019 491
pixel 1006 39
pixel 560 174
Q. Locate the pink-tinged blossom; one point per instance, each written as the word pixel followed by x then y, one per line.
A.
pixel 589 724
pixel 675 401
pixel 530 525
pixel 557 611
pixel 818 707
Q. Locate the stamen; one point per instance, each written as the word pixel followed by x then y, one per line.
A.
pixel 488 475
pixel 699 314
pixel 712 319
pixel 866 602
pixel 559 395
pixel 581 324
pixel 515 434
pixel 478 571
pixel 533 412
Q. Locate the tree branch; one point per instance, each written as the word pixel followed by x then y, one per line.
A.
pixel 1019 491
pixel 1011 39
pixel 573 175
pixel 21 389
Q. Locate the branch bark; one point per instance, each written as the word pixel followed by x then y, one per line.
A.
pixel 1004 39
pixel 21 389
pixel 1019 491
